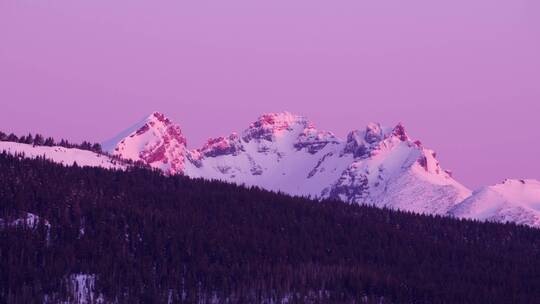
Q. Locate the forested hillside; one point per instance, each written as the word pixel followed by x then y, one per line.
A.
pixel 150 238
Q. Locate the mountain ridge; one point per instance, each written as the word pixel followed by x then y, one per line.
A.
pixel 284 152
pixel 377 165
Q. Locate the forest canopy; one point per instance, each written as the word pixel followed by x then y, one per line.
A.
pixel 150 238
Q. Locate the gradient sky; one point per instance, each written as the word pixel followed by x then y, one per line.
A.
pixel 462 75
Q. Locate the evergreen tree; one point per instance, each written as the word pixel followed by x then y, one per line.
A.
pixel 49 142
pixel 96 147
pixel 29 139
pixel 12 138
pixel 85 145
pixel 64 143
pixel 26 139
pixel 38 140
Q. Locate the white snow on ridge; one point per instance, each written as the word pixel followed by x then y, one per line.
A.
pixel 156 142
pixel 516 201
pixel 401 175
pixel 61 155
pixel 110 144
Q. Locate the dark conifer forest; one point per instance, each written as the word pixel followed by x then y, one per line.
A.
pixel 150 238
pixel 40 140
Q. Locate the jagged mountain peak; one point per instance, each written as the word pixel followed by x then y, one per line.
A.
pixel 364 142
pixel 158 117
pixel 156 141
pixel 148 120
pixel 399 132
pixel 374 132
pixel 272 126
pixel 281 119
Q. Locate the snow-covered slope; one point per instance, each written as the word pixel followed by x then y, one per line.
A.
pixel 66 156
pixel 285 152
pixel 513 200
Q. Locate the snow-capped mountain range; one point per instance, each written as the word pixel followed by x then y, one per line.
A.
pixel 285 152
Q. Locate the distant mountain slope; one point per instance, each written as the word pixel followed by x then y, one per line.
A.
pixel 516 201
pixel 61 155
pixel 285 152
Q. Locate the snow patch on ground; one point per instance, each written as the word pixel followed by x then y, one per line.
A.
pixel 28 220
pixel 82 289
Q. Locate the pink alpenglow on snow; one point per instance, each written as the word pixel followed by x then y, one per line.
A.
pixel 155 141
pixel 513 200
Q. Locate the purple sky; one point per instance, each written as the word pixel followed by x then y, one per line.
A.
pixel 462 75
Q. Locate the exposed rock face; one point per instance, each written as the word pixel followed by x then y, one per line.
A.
pixel 313 140
pixel 362 143
pixel 374 133
pixel 399 132
pixel 352 187
pixel 270 126
pixel 219 146
pixel 356 145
